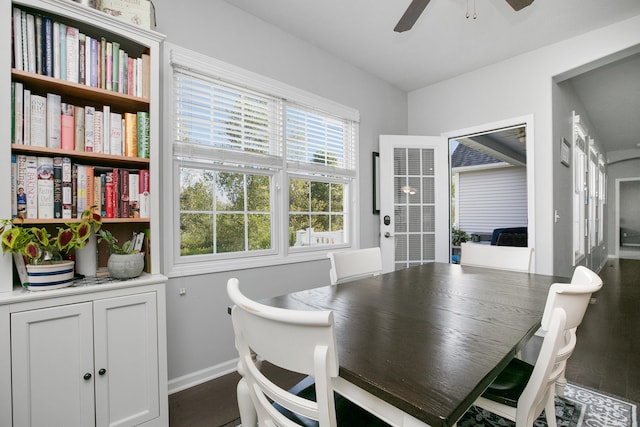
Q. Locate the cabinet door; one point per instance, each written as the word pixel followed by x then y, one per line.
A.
pixel 52 353
pixel 126 360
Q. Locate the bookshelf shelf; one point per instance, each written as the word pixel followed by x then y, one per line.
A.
pixel 72 220
pixel 87 157
pixel 80 93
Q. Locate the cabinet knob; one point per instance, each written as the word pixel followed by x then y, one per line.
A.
pixel 87 376
pixel 102 371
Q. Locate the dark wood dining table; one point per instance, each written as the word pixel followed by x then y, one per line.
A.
pixel 418 346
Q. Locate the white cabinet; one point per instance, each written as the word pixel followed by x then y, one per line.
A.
pixel 77 363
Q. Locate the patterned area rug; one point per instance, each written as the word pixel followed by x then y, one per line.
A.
pixel 579 407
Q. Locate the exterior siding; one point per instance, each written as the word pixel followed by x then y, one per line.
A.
pixel 492 198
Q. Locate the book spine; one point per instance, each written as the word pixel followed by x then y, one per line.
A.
pixel 26 118
pixel 82 61
pixel 106 130
pixel 48 46
pixel 81 201
pixel 98 119
pixel 79 128
pixel 14 185
pixel 63 51
pixel 57 187
pixel 116 134
pixel 131 135
pixel 45 187
pixel 13 112
pixel 115 63
pixel 89 196
pixel 74 190
pixel 18 110
pixel 67 126
pixel 130 78
pixel 38 120
pixel 56 49
pixel 87 60
pixel 21 197
pixel 115 199
pixel 97 194
pixel 109 67
pixel 31 186
pixel 25 43
pixel 88 128
pixel 94 62
pixel 67 196
pixel 144 191
pixel 17 39
pixel 143 134
pixel 108 194
pixel 103 190
pixel 134 191
pixel 146 75
pixel 31 43
pixel 73 55
pixel 53 120
pixel 124 194
pixel 39 44
pixel 103 63
pixel 122 72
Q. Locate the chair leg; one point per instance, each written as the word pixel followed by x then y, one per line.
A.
pixel 550 411
pixel 561 383
pixel 248 415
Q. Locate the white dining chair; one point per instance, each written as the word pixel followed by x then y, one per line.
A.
pixel 521 392
pixel 354 264
pixel 500 257
pixel 299 341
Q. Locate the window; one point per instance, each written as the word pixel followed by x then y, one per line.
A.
pixel 264 173
pixel 579 191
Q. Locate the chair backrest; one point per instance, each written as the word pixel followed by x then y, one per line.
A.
pixel 355 264
pixel 500 257
pixel 300 341
pixel 573 297
pixel 545 372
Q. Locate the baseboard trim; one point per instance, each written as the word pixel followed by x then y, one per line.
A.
pixel 193 379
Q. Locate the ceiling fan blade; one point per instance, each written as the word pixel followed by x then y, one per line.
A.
pixel 519 4
pixel 411 15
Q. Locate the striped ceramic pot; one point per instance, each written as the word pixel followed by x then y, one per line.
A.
pixel 49 275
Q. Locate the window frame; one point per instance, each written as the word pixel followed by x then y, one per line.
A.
pixel 175 265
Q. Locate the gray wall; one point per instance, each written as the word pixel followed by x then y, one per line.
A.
pixel 200 338
pixel 620 170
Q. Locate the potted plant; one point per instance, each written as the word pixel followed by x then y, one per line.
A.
pixel 46 254
pixel 125 262
pixel 458 236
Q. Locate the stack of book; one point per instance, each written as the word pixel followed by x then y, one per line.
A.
pixel 45 46
pixel 54 187
pixel 46 121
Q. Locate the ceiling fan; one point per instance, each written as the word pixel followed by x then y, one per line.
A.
pixel 416 7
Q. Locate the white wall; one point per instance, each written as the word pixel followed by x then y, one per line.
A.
pixel 200 338
pixel 620 170
pixel 515 87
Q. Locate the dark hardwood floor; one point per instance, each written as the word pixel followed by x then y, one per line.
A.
pixel 606 358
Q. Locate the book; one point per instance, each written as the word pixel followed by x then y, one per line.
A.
pixel 103 63
pixel 144 189
pixel 97 194
pixel 130 134
pixel 122 63
pixel 26 118
pixel 116 134
pixel 31 44
pixel 25 47
pixel 79 128
pixel 108 195
pixel 39 51
pixel 115 66
pixel 134 192
pixel 89 112
pixel 130 76
pixel 81 189
pixel 73 55
pixel 89 196
pixel 63 51
pixel 21 194
pixel 17 39
pixel 67 197
pixel 98 119
pixel 74 190
pixel 56 49
pixel 54 108
pixel 123 181
pixel 109 67
pixel 38 120
pixel 146 75
pixel 45 187
pixel 82 61
pixel 115 197
pixel 143 134
pixel 31 186
pixel 93 61
pixel 67 126
pixel 13 112
pixel 87 60
pixel 18 109
pixel 57 187
pixel 103 185
pixel 48 46
pixel 14 186
pixel 106 129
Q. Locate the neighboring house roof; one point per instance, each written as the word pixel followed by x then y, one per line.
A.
pixel 464 156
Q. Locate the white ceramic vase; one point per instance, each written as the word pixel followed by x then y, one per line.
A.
pixel 87 256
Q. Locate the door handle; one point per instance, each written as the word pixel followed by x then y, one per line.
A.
pixel 388 235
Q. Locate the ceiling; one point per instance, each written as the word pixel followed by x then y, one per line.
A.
pixel 444 43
